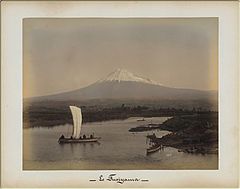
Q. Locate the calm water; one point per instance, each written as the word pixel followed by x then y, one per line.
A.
pixel 117 149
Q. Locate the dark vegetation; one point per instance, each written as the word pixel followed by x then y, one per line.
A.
pixel 142 128
pixel 52 113
pixel 197 133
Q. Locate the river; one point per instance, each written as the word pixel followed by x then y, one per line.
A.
pixel 118 149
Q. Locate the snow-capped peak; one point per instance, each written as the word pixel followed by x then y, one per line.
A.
pixel 124 75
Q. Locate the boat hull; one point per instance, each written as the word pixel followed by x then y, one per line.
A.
pixel 69 140
pixel 151 150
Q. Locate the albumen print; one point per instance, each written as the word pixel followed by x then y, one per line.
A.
pixel 120 94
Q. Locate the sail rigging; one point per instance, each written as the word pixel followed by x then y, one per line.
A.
pixel 77 125
pixel 77 121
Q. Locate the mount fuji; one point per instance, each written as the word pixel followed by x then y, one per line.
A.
pixel 122 84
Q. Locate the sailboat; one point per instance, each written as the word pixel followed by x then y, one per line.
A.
pixel 76 133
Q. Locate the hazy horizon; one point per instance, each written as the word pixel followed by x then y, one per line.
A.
pixel 66 54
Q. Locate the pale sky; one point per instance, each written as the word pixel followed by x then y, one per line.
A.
pixel 66 54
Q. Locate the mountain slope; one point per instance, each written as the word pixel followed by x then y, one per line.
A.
pixel 123 84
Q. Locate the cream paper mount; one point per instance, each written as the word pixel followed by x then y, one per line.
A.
pixel 12 132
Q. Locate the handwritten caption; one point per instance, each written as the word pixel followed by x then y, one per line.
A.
pixel 117 179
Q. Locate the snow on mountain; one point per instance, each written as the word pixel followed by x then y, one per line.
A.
pixel 124 75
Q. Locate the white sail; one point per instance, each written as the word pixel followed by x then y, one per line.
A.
pixel 77 121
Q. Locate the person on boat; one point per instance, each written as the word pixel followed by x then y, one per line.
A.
pixel 62 137
pixel 71 137
pixel 91 136
pixel 84 136
pixel 80 137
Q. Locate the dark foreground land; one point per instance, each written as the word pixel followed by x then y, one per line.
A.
pixel 197 133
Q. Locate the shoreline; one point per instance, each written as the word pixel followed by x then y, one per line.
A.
pixel 48 114
pixel 196 134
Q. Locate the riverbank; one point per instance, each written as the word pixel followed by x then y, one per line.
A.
pixel 196 133
pixel 49 114
pixel 143 128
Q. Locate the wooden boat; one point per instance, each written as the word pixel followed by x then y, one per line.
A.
pixel 76 133
pixel 153 148
pixel 70 140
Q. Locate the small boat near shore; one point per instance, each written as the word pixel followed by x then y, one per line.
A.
pixel 76 133
pixel 153 148
pixel 154 145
